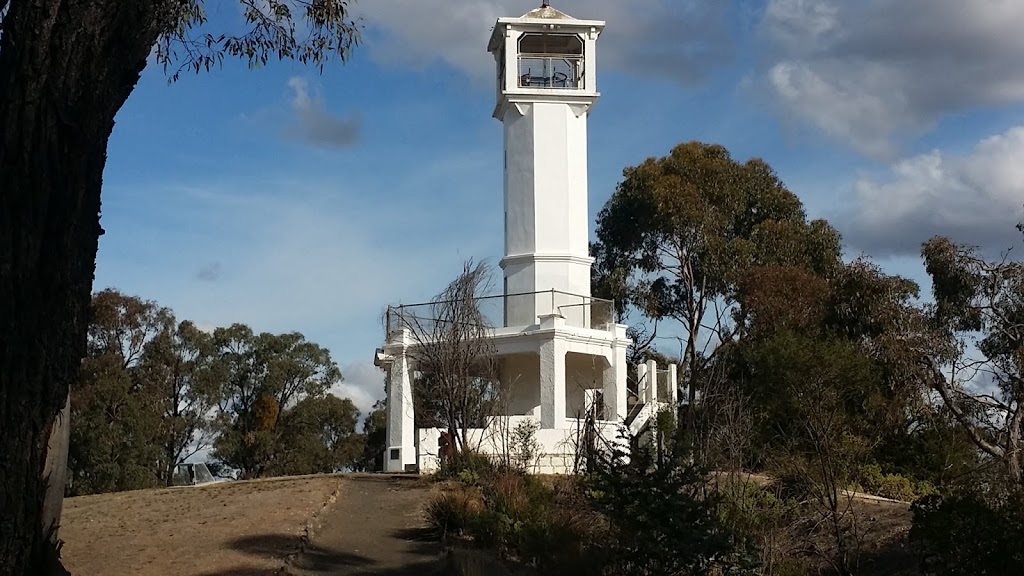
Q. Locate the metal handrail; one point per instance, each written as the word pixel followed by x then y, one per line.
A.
pixel 592 299
pixel 569 67
pixel 395 314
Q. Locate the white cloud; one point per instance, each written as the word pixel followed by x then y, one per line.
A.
pixel 680 40
pixel 363 384
pixel 315 125
pixel 872 72
pixel 974 198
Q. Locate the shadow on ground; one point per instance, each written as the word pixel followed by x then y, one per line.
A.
pixel 425 551
pixel 375 529
pixel 316 560
pixel 273 547
pixel 894 559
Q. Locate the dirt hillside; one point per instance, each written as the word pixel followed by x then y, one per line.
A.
pixel 228 529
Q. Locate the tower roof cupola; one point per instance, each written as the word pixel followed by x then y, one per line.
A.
pixel 546 12
pixel 545 54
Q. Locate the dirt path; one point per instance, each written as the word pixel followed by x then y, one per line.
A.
pixel 375 528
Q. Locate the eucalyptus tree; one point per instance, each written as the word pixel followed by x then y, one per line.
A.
pixel 114 439
pixel 66 68
pixel 977 360
pixel 264 377
pixel 179 368
pixel 680 233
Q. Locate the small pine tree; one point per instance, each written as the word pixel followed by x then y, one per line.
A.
pixel 663 518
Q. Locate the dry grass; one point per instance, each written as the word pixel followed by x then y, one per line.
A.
pixel 226 529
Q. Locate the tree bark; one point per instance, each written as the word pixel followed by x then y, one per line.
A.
pixel 66 68
pixel 55 471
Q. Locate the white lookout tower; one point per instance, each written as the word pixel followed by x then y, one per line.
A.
pixel 562 355
pixel 547 85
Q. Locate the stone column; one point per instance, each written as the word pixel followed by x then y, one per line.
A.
pixel 552 383
pixel 673 383
pixel 401 430
pixel 652 379
pixel 616 390
pixel 642 382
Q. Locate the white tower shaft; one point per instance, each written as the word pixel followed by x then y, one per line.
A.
pixel 546 209
pixel 547 87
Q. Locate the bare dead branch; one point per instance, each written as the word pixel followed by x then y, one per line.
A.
pixel 453 351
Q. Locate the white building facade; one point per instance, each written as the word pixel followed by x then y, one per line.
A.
pixel 562 355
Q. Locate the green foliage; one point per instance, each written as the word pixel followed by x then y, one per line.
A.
pixel 374 440
pixel 859 312
pixel 680 233
pixel 872 481
pixel 524 447
pixel 813 393
pixel 969 534
pixel 749 509
pixel 115 416
pixel 979 306
pixel 933 449
pixel 266 374
pixel 525 518
pixel 759 517
pixel 309 32
pixel 318 435
pixel 470 468
pixel 662 517
pixel 113 432
pixel 149 384
pixel 179 364
pixel 819 394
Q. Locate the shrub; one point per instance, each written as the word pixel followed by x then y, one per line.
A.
pixel 872 481
pixel 454 511
pixel 969 534
pixel 525 449
pixel 662 518
pixel 470 468
pixel 791 483
pixel 759 520
pixel 519 508
pixel 509 494
pixel 750 510
pixel 545 525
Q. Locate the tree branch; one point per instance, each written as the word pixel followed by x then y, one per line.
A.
pixel 940 385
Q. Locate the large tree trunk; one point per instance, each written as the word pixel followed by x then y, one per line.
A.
pixel 66 68
pixel 55 471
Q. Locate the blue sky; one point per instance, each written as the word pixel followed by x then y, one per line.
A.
pixel 291 200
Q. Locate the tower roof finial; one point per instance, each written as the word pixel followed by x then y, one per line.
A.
pixel 545 4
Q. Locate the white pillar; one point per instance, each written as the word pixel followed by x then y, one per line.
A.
pixel 552 384
pixel 673 383
pixel 610 388
pixel 652 379
pixel 401 430
pixel 590 402
pixel 641 383
pixel 616 377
